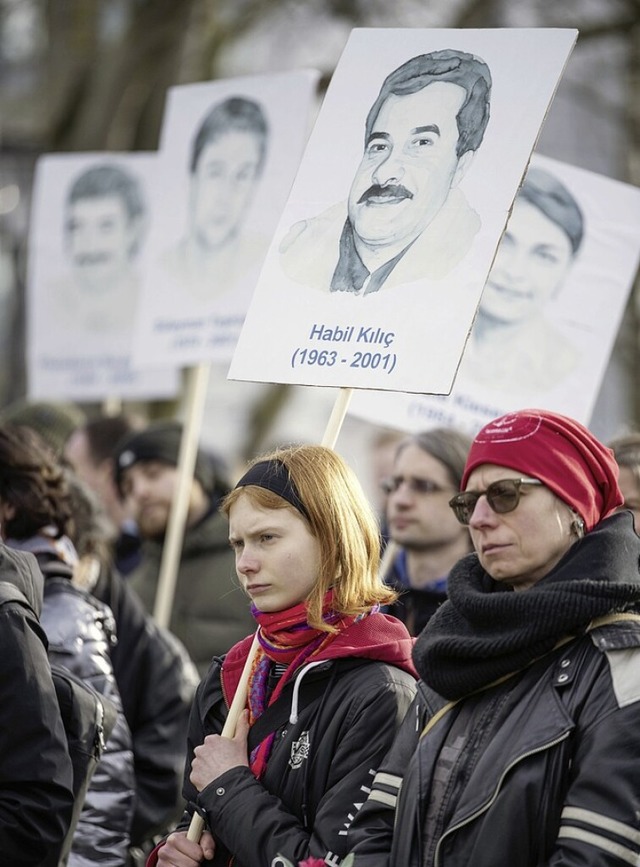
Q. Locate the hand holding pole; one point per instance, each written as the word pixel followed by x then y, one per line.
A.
pixel 229 729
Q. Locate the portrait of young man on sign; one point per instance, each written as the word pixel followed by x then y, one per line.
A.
pixel 88 238
pixel 229 149
pixel 226 160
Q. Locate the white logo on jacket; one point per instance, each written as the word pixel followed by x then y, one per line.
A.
pixel 299 751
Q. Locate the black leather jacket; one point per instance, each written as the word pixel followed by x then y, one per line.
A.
pixel 79 630
pixel 540 767
pixel 36 797
pixel 157 682
pixel 305 802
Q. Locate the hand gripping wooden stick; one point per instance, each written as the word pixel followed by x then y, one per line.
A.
pixel 238 704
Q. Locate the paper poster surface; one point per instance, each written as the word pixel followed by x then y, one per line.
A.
pixel 387 238
pixel 550 310
pixel 90 216
pixel 228 154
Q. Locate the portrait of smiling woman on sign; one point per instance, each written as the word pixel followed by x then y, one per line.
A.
pixel 542 239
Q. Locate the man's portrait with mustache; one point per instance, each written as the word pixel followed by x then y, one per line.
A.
pixel 405 218
pixel 105 218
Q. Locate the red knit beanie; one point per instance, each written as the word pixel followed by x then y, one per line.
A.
pixel 559 451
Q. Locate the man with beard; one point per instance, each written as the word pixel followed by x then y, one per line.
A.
pixel 104 225
pixel 405 219
pixel 210 611
pixel 426 474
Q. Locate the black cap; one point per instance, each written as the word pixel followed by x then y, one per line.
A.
pixel 161 442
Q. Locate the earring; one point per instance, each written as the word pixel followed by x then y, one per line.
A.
pixel 577 527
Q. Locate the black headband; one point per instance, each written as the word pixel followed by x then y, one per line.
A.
pixel 274 476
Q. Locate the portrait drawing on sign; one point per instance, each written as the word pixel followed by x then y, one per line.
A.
pixel 405 217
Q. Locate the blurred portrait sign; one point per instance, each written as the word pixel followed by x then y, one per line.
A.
pixel 376 268
pixel 90 216
pixel 228 154
pixel 550 310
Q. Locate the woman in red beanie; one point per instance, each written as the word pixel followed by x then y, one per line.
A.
pixel 331 681
pixel 526 750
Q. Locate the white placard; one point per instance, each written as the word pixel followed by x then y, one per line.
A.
pixel 228 154
pixel 90 216
pixel 385 298
pixel 550 311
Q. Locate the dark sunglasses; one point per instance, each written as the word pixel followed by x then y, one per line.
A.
pixel 503 496
pixel 416 486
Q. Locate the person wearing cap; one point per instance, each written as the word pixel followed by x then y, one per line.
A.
pixel 210 612
pixel 331 680
pixel 53 421
pixel 522 746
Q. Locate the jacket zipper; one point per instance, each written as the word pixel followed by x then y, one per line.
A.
pixel 99 741
pixel 553 743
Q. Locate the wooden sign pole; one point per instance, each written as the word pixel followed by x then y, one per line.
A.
pixel 197 378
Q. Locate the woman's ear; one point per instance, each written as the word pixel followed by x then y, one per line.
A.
pixel 577 526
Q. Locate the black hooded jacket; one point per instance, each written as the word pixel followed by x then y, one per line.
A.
pixel 80 633
pixel 326 749
pixel 36 794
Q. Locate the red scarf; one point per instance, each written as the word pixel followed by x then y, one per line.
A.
pixel 286 637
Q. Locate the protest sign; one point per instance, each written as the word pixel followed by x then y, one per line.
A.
pixel 550 311
pixel 377 265
pixel 229 150
pixel 88 232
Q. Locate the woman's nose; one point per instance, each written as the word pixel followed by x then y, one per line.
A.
pixel 482 513
pixel 246 561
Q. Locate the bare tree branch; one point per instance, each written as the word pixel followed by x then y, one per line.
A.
pixel 125 77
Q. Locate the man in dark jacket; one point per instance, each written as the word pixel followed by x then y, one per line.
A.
pixel 210 612
pixel 426 473
pixel 36 797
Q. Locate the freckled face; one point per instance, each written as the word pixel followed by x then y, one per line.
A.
pixel 277 557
